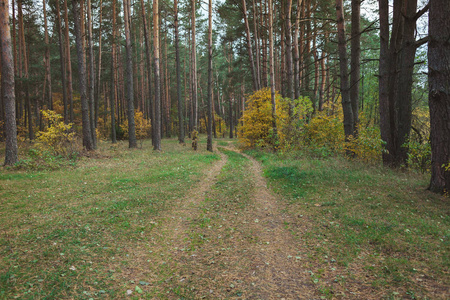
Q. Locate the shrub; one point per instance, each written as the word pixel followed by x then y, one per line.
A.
pixel 256 122
pixel 56 146
pixel 419 155
pixel 58 138
pixel 325 130
pixel 369 145
pixel 220 125
pixel 255 129
pixel 143 126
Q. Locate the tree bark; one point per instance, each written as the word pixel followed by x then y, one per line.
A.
pixel 395 82
pixel 91 76
pixel 132 142
pixel 194 69
pixel 383 80
pixel 8 90
pixel 62 61
pixel 439 94
pixel 86 127
pixel 296 54
pixel 272 77
pixel 355 62
pixel 209 145
pixel 249 47
pixel 288 52
pixel 148 58
pixel 25 71
pixel 99 69
pixel 157 129
pixel 48 73
pixel 178 67
pixel 113 76
pixel 257 52
pixel 343 61
pixel 69 116
pixel 406 61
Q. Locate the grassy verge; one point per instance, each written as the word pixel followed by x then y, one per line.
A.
pixel 63 233
pixel 366 225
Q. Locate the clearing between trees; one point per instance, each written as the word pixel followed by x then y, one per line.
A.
pixel 225 225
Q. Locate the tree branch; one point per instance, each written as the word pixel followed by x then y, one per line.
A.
pixel 422 11
pixel 421 41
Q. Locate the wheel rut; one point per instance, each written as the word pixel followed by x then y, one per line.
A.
pixel 243 252
pixel 277 271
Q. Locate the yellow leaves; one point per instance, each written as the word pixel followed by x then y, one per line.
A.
pixel 257 120
pixel 325 130
pixel 220 125
pixel 368 146
pixel 57 137
pixel 143 126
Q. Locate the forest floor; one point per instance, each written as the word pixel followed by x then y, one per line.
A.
pixel 224 225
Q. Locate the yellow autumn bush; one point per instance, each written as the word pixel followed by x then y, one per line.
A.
pixel 368 146
pixel 325 130
pixel 143 126
pixel 220 125
pixel 256 124
pixel 255 129
pixel 58 137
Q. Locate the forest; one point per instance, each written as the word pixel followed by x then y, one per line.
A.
pixel 169 69
pixel 323 126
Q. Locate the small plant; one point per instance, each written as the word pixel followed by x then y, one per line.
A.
pixel 58 138
pixel 194 139
pixel 55 146
pixel 419 155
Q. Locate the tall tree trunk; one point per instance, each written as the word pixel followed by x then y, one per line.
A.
pixel 148 58
pixel 26 74
pixel 7 81
pixel 355 62
pixel 99 69
pixel 194 69
pixel 91 76
pixel 395 82
pixel 113 76
pixel 177 58
pixel 288 52
pixel 69 116
pixel 249 47
pixel 48 73
pixel 264 46
pixel 257 52
pixel 405 87
pixel 14 35
pixel 383 80
pixel 324 80
pixel 272 78
pixel 296 54
pixel 132 143
pixel 439 94
pixel 209 145
pixel 87 136
pixel 62 61
pixel 157 129
pixel 166 93
pixel 343 61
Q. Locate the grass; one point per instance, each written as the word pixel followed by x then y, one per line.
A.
pixel 64 233
pixel 101 227
pixel 208 262
pixel 366 224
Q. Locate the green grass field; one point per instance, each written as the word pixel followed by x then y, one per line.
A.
pixel 98 229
